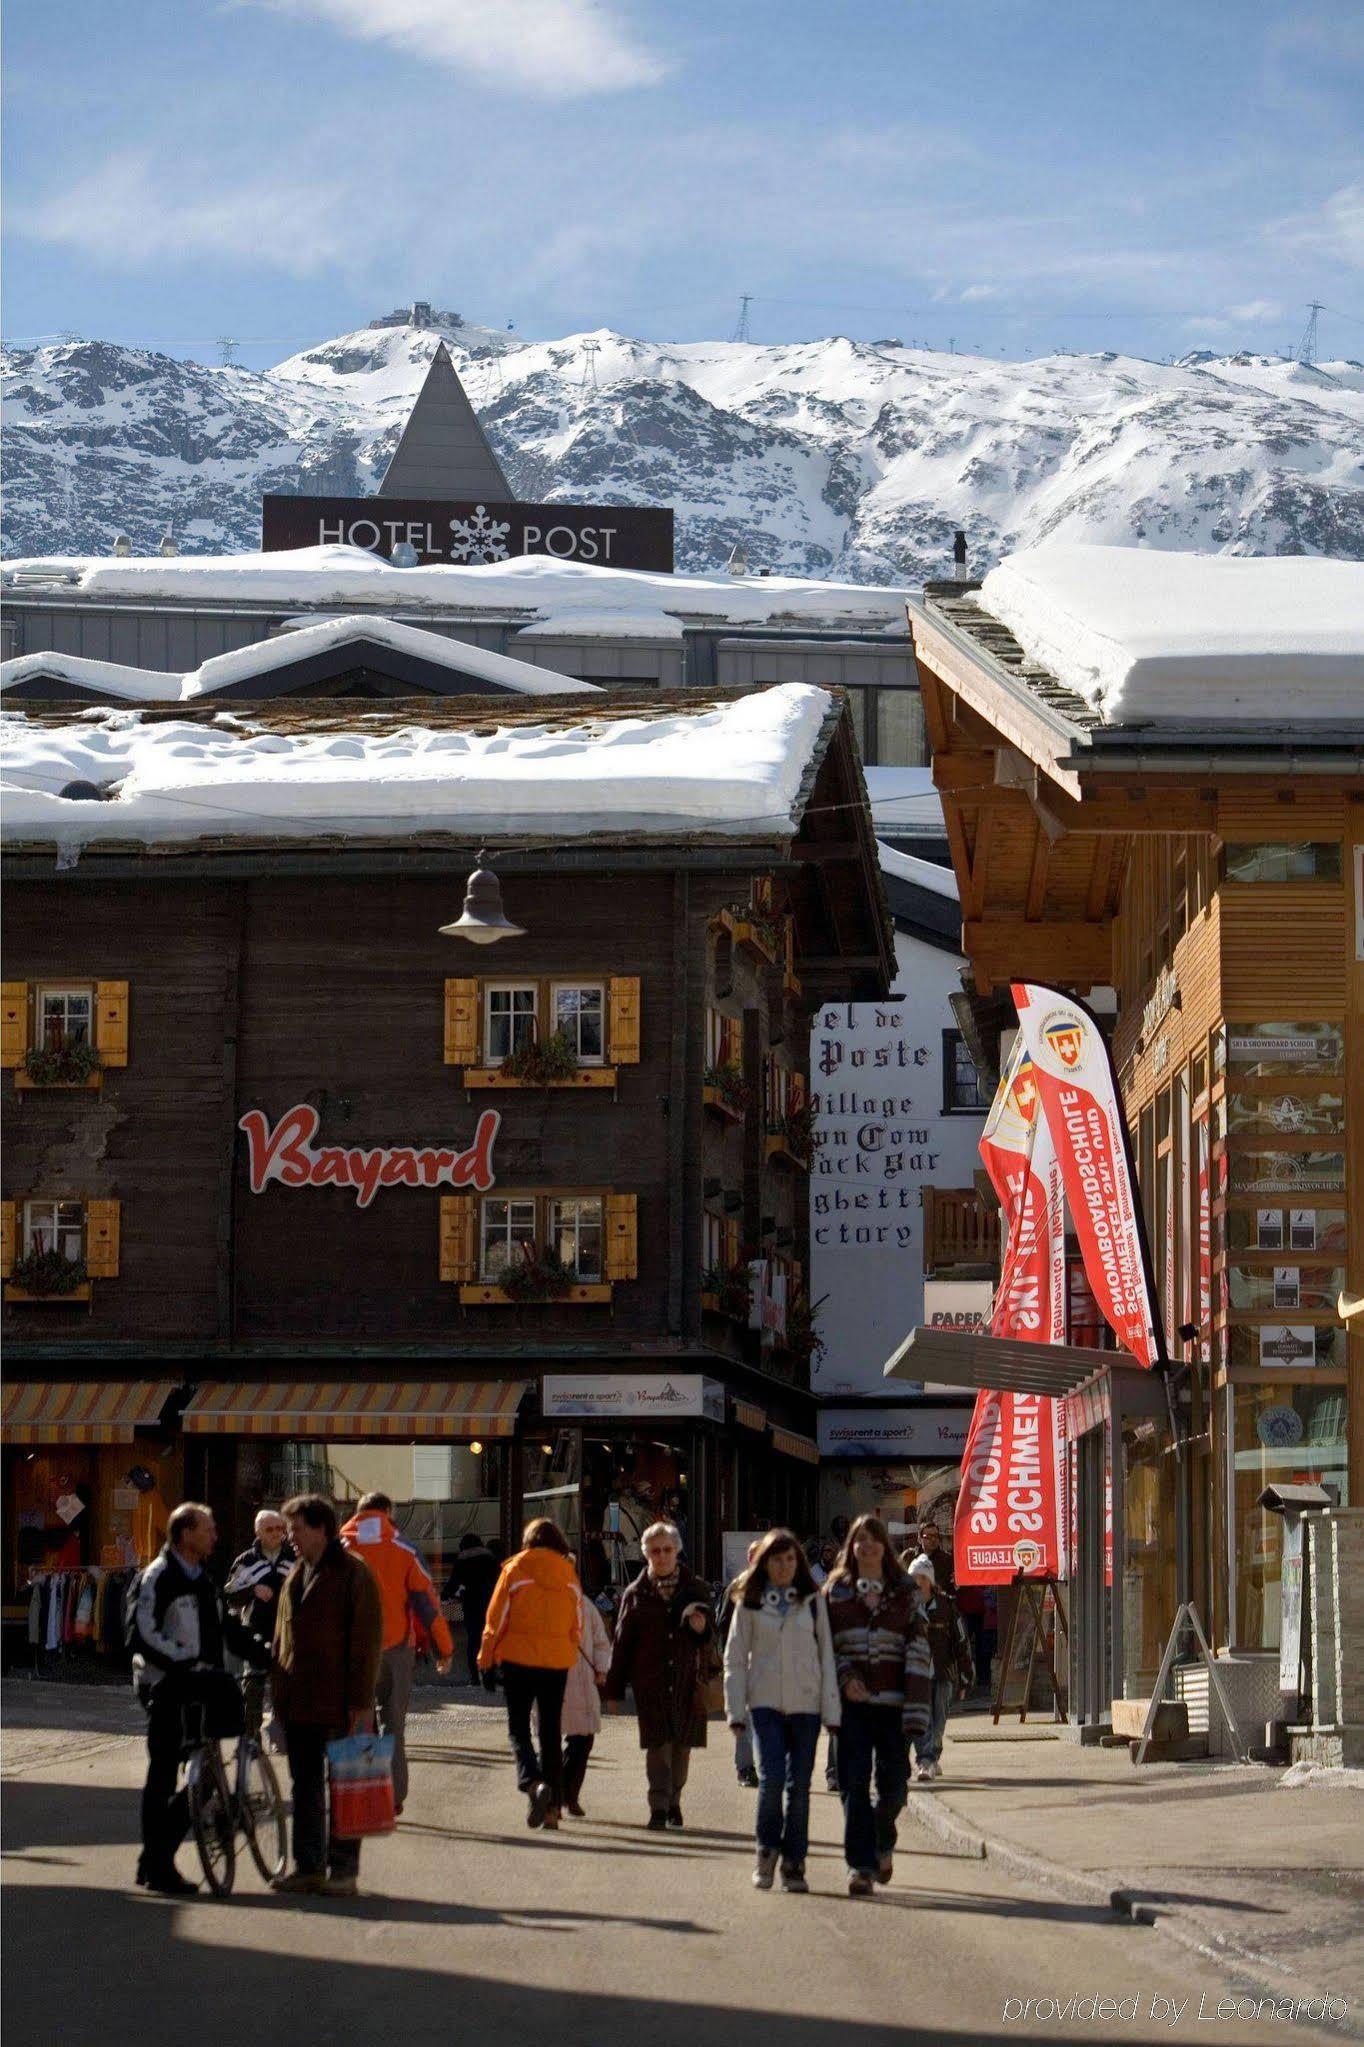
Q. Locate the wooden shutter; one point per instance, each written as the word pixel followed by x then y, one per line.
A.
pixel 111 1022
pixel 13 1022
pixel 461 1023
pixel 458 1217
pixel 624 998
pixel 9 1236
pixel 732 1242
pixel 101 1239
pixel 622 1237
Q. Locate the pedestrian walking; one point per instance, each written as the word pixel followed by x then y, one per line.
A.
pixel 582 1701
pixel 178 1628
pixel 328 1641
pixel 885 1680
pixel 472 1578
pixel 409 1601
pixel 664 1631
pixel 532 1633
pixel 252 1592
pixel 780 1679
pixel 953 1670
pixel 931 1545
pixel 745 1762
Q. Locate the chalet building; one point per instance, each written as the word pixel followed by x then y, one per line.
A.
pixel 1150 767
pixel 299 1188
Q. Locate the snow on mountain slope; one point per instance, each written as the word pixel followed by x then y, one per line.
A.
pixel 837 458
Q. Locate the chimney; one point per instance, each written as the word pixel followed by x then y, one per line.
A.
pixel 959 556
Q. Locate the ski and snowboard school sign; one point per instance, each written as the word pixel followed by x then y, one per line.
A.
pixel 444 533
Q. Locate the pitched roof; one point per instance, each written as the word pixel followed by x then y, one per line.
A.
pixel 444 452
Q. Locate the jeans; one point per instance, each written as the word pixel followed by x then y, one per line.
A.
pixel 392 1697
pixel 666 1768
pixel 786 1744
pixel 307 1747
pixel 928 1747
pixel 871 1737
pixel 526 1685
pixel 743 1750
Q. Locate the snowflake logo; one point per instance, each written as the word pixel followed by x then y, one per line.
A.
pixel 479 539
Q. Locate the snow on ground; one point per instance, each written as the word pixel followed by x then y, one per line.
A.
pixel 567 597
pixel 923 873
pixel 313 637
pixel 1147 634
pixel 734 768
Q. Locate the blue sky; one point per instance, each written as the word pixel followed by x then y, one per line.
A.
pixel 1014 175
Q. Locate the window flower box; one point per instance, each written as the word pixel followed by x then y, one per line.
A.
pixel 725 1092
pixel 47 1276
pixel 727 1292
pixel 581 1293
pixel 589 1077
pixel 60 1066
pixel 752 932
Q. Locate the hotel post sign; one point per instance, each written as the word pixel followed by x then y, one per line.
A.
pixel 445 534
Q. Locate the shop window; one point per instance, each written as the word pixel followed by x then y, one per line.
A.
pixel 1273 1289
pixel 579 1014
pixel 1287 1112
pixel 509 1019
pixel 1317 860
pixel 1267 1050
pixel 1287 1345
pixel 1288 1172
pixel 1286 1229
pixel 575 1232
pixel 508 1236
pixel 962 1090
pixel 1282 1433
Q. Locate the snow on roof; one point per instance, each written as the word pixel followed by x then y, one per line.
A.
pixel 923 873
pixel 1141 633
pixel 262 657
pixel 735 768
pixel 575 596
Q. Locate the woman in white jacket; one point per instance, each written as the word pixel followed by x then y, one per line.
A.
pixel 582 1702
pixel 780 1679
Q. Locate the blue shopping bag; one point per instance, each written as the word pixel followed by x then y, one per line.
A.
pixel 360 1772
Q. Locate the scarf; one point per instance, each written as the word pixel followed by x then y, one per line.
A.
pixel 665 1587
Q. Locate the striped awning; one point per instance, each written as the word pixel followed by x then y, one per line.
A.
pixel 76 1411
pixel 792 1445
pixel 749 1416
pixel 446 1408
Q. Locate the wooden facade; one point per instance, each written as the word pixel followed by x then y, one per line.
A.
pixel 1212 881
pixel 258 977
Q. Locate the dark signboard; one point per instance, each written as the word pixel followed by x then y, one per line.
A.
pixel 607 536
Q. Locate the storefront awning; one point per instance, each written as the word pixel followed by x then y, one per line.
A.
pixel 792 1445
pixel 78 1411
pixel 999 1364
pixel 434 1407
pixel 748 1415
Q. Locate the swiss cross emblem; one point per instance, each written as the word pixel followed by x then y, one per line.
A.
pixel 1025 1093
pixel 1067 1042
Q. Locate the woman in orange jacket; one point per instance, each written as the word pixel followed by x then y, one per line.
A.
pixel 532 1631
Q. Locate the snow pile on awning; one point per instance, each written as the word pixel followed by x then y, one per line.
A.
pixel 1145 634
pixel 737 769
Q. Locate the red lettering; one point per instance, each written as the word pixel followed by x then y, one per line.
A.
pixel 332 1169
pixel 475 1167
pixel 283 1155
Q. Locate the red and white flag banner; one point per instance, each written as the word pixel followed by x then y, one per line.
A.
pixel 1083 1111
pixel 1011 1510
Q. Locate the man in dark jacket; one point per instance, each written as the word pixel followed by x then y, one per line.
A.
pixel 178 1629
pixel 328 1639
pixel 953 1669
pixel 471 1581
pixel 252 1592
pixel 664 1638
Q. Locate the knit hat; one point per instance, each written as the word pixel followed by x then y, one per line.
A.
pixel 923 1565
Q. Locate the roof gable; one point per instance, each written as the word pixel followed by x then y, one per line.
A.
pixel 443 451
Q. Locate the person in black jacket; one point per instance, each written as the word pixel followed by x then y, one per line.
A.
pixel 664 1637
pixel 179 1627
pixel 471 1581
pixel 252 1593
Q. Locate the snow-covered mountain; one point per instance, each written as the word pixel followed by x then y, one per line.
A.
pixel 830 458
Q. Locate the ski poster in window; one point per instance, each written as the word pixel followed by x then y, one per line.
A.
pixel 1269 1229
pixel 1287 1287
pixel 1289 1348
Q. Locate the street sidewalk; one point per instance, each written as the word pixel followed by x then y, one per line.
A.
pixel 1231 1859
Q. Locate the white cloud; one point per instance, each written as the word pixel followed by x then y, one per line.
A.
pixel 554 49
pixel 1256 310
pixel 974 292
pixel 1334 230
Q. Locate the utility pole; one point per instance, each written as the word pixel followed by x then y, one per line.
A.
pixel 227 350
pixel 741 324
pixel 1307 347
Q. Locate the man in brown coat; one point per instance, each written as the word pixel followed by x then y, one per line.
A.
pixel 328 1637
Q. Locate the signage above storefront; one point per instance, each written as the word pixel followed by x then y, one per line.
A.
pixel 443 533
pixel 605 1397
pixel 958 1304
pixel 866 1432
pixel 288 1154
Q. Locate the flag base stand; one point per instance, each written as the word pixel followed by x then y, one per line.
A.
pixel 1186 1617
pixel 1032 1597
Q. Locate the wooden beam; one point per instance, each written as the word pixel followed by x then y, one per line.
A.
pixel 934 699
pixel 1173 809
pixel 1007 948
pixel 1105 852
pixel 973 900
pixel 825 849
pixel 1006 708
pixel 968 768
pixel 1035 901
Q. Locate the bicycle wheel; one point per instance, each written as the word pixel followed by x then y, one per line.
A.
pixel 260 1809
pixel 210 1816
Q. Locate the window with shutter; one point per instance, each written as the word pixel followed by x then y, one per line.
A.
pixel 9 1232
pixel 461 1023
pixel 101 1239
pixel 622 1236
pixel 13 1023
pixel 624 999
pixel 458 1224
pixel 111 1022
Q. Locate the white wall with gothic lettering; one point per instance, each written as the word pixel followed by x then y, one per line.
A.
pixel 876 1071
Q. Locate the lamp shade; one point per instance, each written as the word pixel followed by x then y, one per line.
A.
pixel 483 920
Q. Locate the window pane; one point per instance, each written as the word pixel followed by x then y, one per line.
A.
pixel 1313 861
pixel 511 1021
pixel 576 1233
pixel 578 1013
pixel 900 729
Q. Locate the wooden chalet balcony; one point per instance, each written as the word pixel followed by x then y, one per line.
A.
pixel 961 1232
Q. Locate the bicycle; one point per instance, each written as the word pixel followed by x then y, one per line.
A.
pixel 221 1807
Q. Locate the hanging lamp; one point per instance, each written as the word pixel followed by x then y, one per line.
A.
pixel 483 920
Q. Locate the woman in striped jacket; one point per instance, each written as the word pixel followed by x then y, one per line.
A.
pixel 885 1680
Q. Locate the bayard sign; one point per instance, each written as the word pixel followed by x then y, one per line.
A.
pixel 286 1153
pixel 444 533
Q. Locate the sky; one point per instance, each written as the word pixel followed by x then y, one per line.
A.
pixel 1000 176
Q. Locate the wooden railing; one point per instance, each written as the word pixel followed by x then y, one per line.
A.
pixel 960 1229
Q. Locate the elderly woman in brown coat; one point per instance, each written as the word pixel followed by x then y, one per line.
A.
pixel 663 1650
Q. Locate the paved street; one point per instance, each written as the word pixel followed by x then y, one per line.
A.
pixel 598 1934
